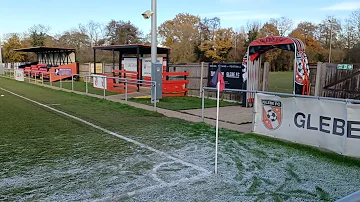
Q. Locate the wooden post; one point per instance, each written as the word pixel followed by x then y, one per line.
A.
pixel 138 68
pixel 320 78
pixel 323 78
pixel 94 61
pixel 259 74
pixel 265 83
pixel 201 76
pixel 89 71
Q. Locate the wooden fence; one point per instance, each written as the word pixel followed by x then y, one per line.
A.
pixel 338 83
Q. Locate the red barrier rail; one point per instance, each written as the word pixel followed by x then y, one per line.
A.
pixel 175 88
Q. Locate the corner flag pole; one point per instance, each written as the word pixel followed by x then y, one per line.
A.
pixel 217 124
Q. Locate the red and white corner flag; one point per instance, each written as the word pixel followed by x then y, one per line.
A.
pixel 217 80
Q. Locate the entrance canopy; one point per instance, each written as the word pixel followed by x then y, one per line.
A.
pixel 259 46
pixel 252 62
pixel 51 55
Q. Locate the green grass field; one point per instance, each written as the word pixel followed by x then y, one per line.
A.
pixel 282 82
pixel 48 156
pixel 81 87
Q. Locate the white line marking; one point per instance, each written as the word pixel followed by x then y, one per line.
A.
pixel 114 134
pixel 54 104
pixel 161 185
pixel 154 171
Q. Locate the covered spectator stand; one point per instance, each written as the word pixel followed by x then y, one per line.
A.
pixel 52 62
pixel 129 62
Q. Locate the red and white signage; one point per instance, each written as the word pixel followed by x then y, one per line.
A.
pixel 333 125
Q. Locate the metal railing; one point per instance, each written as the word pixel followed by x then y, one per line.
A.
pixel 32 77
pixel 267 93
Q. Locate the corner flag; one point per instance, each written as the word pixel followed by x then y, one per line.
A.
pixel 218 81
pixel 218 77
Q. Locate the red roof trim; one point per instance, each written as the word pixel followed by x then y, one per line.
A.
pixel 271 40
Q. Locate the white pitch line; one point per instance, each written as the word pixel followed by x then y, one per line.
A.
pixel 112 133
pixel 54 104
pixel 161 185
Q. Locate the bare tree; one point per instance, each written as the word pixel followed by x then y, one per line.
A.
pixel 355 22
pixel 329 29
pixel 208 27
pixel 348 34
pixel 283 24
pixel 94 30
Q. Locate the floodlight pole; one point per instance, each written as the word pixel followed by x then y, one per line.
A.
pixel 156 69
pixel 153 35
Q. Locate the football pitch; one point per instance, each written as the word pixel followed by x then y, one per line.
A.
pixel 60 146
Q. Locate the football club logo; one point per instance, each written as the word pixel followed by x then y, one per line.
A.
pixel 271 114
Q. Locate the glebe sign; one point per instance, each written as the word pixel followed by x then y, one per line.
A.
pixel 333 125
pixel 329 125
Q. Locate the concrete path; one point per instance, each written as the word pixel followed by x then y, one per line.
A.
pixel 232 118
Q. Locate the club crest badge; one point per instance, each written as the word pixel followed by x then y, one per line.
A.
pixel 271 114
